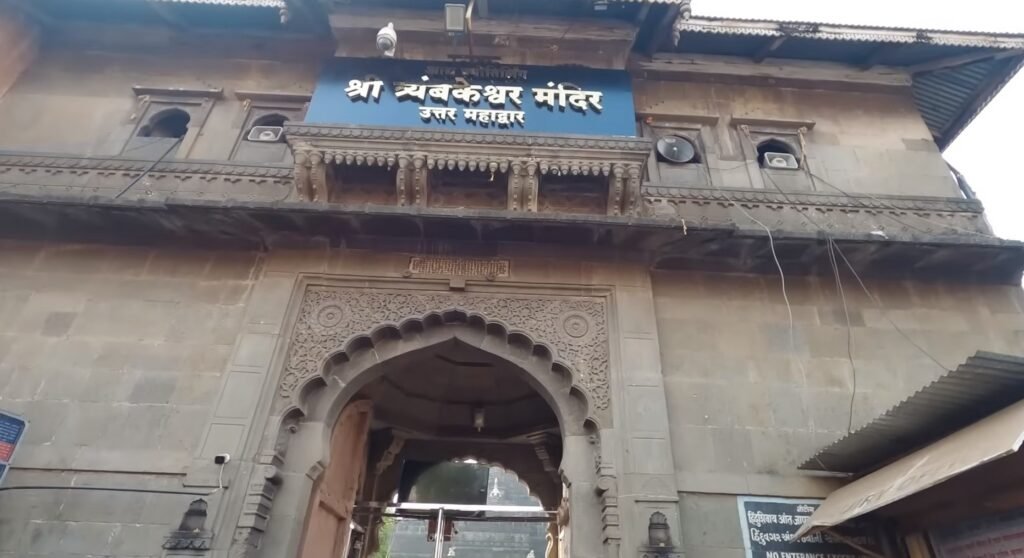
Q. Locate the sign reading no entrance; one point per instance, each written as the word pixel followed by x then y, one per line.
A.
pixel 12 429
pixel 768 524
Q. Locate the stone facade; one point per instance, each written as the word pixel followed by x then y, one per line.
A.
pixel 164 303
pixel 710 404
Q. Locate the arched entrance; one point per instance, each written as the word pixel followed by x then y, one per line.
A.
pixel 449 385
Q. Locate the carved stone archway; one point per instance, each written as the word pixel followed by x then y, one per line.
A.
pixel 343 339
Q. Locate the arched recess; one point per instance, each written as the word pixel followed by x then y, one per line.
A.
pixel 307 422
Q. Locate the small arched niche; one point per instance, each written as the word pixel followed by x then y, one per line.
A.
pixel 170 123
pixel 774 145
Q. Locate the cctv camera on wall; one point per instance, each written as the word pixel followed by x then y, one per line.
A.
pixel 387 40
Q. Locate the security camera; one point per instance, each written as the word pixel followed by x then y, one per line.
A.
pixel 387 39
pixel 221 458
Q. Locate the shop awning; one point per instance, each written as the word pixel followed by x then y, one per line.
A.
pixel 987 440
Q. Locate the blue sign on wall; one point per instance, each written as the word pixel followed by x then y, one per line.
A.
pixel 12 428
pixel 468 97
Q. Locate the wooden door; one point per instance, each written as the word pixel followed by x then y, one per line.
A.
pixel 330 510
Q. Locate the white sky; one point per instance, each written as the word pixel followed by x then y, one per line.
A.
pixel 990 152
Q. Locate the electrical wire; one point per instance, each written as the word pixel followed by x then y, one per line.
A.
pixel 220 486
pixel 878 303
pixel 782 280
pixel 107 489
pixel 831 245
pixel 150 168
pixel 894 218
pixel 849 331
pixel 835 249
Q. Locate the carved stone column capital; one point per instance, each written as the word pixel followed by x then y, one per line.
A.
pixel 420 180
pixel 403 179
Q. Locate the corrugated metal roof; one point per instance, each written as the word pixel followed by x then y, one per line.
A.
pixel 855 26
pixel 985 384
pixel 864 33
pixel 948 98
pixel 240 3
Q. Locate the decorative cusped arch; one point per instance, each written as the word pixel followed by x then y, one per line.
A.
pixel 344 337
pixel 338 328
pixel 365 358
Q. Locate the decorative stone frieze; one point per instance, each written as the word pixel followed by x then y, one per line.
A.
pixel 880 202
pixel 574 328
pixel 34 174
pixel 73 165
pixel 525 158
pixel 885 217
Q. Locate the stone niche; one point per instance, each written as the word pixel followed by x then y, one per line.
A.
pixel 480 171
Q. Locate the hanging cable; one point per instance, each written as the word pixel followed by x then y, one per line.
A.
pixel 782 279
pixel 849 330
pixel 108 489
pixel 878 303
pixel 909 214
pixel 150 168
pixel 831 247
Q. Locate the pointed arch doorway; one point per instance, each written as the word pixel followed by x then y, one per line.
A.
pixel 456 390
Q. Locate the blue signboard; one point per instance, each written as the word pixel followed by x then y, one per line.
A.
pixel 469 97
pixel 12 428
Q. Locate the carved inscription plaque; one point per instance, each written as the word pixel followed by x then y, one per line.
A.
pixel 459 267
pixel 575 328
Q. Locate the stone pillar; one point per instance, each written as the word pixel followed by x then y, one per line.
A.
pixel 19 43
pixel 585 526
pixel 645 466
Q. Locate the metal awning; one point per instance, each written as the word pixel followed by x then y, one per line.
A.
pixel 984 384
pixel 987 440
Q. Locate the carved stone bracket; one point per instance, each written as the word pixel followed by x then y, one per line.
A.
pixel 259 498
pixel 526 158
pixel 576 328
pixel 607 490
pixel 624 190
pixel 543 444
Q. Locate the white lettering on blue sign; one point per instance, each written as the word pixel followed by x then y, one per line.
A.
pixel 566 94
pixel 500 118
pixel 497 96
pixel 359 90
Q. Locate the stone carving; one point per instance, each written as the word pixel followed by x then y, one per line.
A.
pixel 402 180
pixel 259 498
pixel 624 189
pixel 576 329
pixel 408 134
pixel 460 267
pixel 607 490
pixel 901 203
pixel 245 542
pixel 526 158
pixel 192 534
pixel 576 325
pixel 70 164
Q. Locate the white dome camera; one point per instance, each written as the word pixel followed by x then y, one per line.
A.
pixel 387 39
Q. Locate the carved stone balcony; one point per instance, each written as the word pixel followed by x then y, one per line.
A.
pixel 219 203
pixel 530 166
